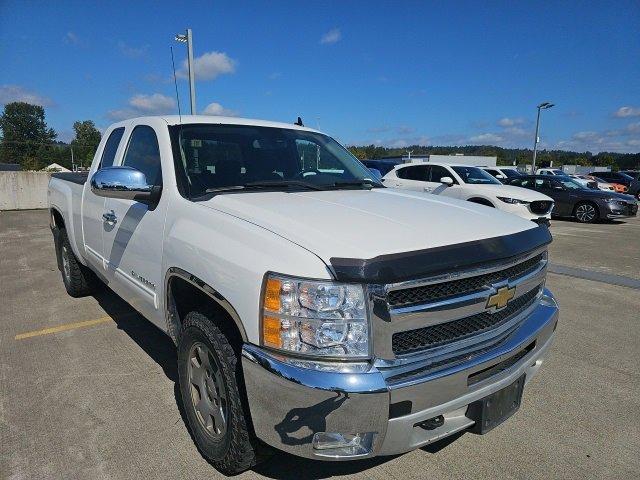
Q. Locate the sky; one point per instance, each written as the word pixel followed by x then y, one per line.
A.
pixel 374 72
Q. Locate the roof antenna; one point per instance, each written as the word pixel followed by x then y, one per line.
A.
pixel 175 82
pixel 299 122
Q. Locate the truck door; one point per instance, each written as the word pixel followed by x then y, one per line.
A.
pixel 133 235
pixel 93 206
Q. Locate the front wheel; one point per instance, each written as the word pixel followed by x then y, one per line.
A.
pixel 209 376
pixel 586 213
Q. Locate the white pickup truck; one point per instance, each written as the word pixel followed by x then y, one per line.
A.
pixel 313 309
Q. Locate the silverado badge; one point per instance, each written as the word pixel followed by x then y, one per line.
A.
pixel 501 297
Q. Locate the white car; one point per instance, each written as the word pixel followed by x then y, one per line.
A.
pixel 472 184
pixel 551 171
pixel 504 174
pixel 590 180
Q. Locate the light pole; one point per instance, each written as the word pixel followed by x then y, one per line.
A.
pixel 188 38
pixel 542 106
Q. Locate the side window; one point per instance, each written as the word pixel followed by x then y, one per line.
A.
pixel 413 173
pixel 110 148
pixel 437 172
pixel 143 154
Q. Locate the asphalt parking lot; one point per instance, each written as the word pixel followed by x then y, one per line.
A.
pixel 95 396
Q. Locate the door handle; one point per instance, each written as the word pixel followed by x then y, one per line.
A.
pixel 427 189
pixel 110 217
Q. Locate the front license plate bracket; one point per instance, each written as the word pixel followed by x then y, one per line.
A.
pixel 492 410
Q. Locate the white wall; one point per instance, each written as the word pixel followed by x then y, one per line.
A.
pixel 23 190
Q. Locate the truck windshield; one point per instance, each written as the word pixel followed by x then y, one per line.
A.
pixel 475 176
pixel 212 159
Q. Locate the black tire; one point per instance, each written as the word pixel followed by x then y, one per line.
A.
pixel 586 212
pixel 78 280
pixel 235 449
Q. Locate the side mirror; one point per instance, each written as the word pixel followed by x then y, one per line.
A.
pixel 123 182
pixel 448 181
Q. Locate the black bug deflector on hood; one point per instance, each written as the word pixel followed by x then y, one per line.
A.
pixel 399 267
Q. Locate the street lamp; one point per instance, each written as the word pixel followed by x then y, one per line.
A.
pixel 188 39
pixel 542 106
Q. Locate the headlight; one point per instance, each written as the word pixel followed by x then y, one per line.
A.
pixel 314 317
pixel 513 200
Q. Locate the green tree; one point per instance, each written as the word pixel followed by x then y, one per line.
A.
pixel 24 132
pixel 86 141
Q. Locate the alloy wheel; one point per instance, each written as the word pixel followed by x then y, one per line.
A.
pixel 586 212
pixel 208 392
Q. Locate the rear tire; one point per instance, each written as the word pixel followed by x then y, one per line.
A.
pixel 586 212
pixel 209 377
pixel 78 280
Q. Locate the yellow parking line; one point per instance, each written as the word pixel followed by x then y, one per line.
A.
pixel 63 328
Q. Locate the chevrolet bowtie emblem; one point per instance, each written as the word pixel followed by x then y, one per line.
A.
pixel 501 297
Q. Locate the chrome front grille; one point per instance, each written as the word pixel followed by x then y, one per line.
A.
pixel 441 334
pixel 437 291
pixel 440 318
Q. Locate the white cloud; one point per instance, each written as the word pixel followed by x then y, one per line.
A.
pixel 71 37
pixel 510 122
pixel 486 138
pixel 209 66
pixel 217 109
pixel 155 103
pixel 625 140
pixel 141 104
pixel 274 76
pixel 332 36
pixel 132 52
pixel 16 93
pixel 625 112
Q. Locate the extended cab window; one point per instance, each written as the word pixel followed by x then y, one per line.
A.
pixel 110 148
pixel 143 154
pixel 418 172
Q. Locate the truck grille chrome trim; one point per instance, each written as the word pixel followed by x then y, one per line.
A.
pixel 446 317
pixel 430 293
pixel 443 333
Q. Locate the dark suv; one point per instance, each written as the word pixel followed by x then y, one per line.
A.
pixel 628 178
pixel 574 200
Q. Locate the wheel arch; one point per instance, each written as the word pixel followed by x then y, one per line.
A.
pixel 197 294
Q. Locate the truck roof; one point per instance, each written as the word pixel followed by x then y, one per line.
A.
pixel 215 119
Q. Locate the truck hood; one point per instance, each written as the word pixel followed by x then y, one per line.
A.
pixel 510 191
pixel 368 223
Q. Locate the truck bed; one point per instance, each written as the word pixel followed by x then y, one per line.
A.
pixel 75 177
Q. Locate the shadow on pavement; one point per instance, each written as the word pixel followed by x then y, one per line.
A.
pixel 153 341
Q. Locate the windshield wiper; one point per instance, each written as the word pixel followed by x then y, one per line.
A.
pixel 266 184
pixel 283 183
pixel 357 183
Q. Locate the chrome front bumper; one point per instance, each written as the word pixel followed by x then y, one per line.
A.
pixel 289 403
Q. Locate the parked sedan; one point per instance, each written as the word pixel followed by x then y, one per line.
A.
pixel 574 200
pixel 628 178
pixel 472 184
